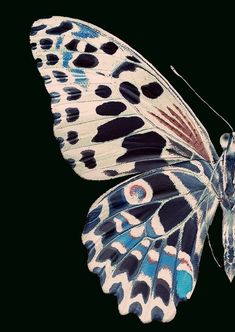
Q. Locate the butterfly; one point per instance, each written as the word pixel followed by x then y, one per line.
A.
pixel 116 115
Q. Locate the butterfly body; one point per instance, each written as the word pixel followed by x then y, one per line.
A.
pixel 227 197
pixel 116 115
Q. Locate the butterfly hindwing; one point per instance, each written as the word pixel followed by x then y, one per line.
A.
pixel 145 239
pixel 114 114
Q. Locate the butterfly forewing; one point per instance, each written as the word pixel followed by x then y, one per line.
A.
pixel 114 113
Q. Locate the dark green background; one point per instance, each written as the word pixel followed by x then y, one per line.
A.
pixel 57 290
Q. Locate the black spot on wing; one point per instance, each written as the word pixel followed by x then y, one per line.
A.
pixel 60 140
pixel 91 250
pixel 149 145
pixel 71 162
pixel 109 48
pixel 92 219
pixel 157 314
pixel 189 235
pixel 34 29
pixel 86 61
pixel 108 235
pixel 47 79
pixel 72 137
pixel 162 290
pixel 162 186
pixel 173 239
pixel 117 128
pixel 62 28
pixel 126 66
pixel 110 172
pixel 143 213
pixel 152 90
pixel 147 165
pixel 117 290
pixel 94 214
pixel 56 118
pixel 128 265
pixel 52 59
pixel 106 227
pixel 173 212
pixel 132 58
pixel 135 308
pixel 55 97
pixel 157 244
pixel 88 158
pixel 73 93
pixel 103 91
pixel 72 114
pixel 46 43
pixel 130 92
pixel 38 62
pixel 101 273
pixel 109 253
pixel 33 46
pixel 140 287
pixel 111 108
pixel 60 76
pixel 72 45
pixel 90 48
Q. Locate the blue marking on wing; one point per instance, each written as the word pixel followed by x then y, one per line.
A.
pixel 127 241
pixel 80 76
pixel 59 42
pixel 184 284
pixel 149 230
pixel 149 268
pixel 124 221
pixel 166 260
pixel 139 192
pixel 142 249
pixel 67 56
pixel 85 31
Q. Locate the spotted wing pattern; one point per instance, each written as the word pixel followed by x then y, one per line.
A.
pixel 114 114
pixel 145 238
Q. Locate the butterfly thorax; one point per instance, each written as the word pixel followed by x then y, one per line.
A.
pixel 228 171
pixel 227 198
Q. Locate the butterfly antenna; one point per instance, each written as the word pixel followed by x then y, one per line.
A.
pixel 220 116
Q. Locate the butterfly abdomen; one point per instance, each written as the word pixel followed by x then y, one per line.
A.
pixel 229 242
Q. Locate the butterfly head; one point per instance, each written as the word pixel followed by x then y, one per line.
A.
pixel 227 141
